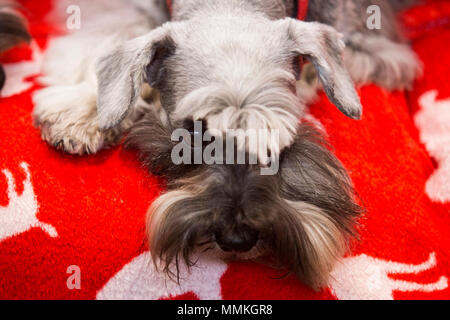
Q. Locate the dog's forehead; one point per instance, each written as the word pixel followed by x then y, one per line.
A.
pixel 229 33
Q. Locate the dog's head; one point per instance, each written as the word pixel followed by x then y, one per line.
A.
pixel 303 216
pixel 233 73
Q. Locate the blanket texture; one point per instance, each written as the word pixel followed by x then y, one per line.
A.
pixel 73 227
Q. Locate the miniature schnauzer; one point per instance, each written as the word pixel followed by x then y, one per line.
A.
pixel 229 64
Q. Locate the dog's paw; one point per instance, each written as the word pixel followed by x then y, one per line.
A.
pixel 67 118
pixel 71 137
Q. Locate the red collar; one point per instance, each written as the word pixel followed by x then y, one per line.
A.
pixel 302 9
pixel 302 6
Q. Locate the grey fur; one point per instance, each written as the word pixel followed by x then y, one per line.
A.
pixel 208 48
pixel 378 56
pixel 231 64
pixel 66 109
pixel 226 43
pixel 121 75
pixel 305 216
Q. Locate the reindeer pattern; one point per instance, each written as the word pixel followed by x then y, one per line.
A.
pixel 358 277
pixel 433 121
pixel 366 278
pixel 20 214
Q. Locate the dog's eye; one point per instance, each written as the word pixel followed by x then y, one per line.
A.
pixel 297 64
pixel 197 127
pixel 196 130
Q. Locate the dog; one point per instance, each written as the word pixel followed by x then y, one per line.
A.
pixel 13 30
pixel 226 64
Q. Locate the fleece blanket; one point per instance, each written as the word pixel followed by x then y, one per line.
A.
pixel 73 227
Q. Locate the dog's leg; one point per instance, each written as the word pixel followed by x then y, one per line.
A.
pixel 66 110
pixel 67 118
pixel 378 55
pixel 375 59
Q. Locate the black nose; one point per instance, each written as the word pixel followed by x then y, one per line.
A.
pixel 240 239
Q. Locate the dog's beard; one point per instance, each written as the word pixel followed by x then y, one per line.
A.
pixel 305 215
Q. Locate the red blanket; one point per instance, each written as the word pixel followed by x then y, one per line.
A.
pixel 73 227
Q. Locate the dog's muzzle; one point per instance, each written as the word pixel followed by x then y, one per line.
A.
pixel 241 239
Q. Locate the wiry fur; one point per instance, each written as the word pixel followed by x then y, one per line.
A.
pixel 305 215
pixel 245 76
pixel 231 64
pixel 267 102
pixel 13 30
pixel 378 60
pixel 66 110
pixel 379 56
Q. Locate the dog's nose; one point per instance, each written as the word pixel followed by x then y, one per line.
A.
pixel 241 239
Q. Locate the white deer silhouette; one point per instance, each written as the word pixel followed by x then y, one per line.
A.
pixel 366 278
pixel 139 280
pixel 433 121
pixel 20 214
pixel 18 72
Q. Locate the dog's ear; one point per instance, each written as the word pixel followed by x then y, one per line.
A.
pixel 323 46
pixel 122 73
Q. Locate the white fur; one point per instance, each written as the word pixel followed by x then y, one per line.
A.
pixel 375 59
pixel 327 241
pixel 66 109
pixel 263 104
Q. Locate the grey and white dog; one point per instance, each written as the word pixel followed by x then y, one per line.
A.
pixel 232 64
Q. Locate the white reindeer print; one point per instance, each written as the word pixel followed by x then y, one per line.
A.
pixel 18 72
pixel 20 214
pixel 139 280
pixel 433 121
pixel 366 278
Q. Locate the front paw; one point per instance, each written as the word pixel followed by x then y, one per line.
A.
pixel 72 138
pixel 67 118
